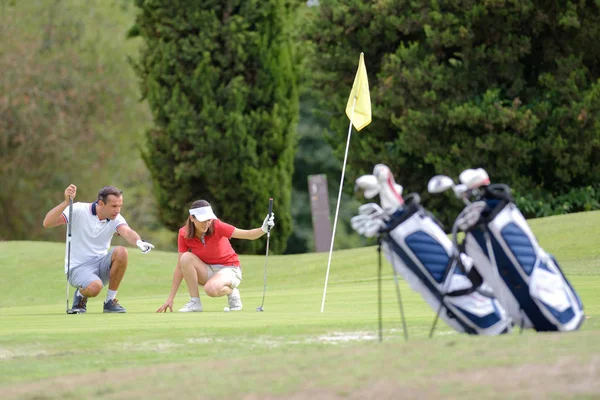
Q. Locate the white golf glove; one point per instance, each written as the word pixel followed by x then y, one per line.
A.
pixel 268 223
pixel 145 247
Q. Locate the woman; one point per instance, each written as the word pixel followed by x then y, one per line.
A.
pixel 207 258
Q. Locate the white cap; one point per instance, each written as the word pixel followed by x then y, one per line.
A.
pixel 203 213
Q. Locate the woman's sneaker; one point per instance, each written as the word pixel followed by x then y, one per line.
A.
pixel 235 301
pixel 113 306
pixel 192 306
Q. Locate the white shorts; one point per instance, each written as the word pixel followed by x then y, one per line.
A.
pixel 234 273
pixel 96 269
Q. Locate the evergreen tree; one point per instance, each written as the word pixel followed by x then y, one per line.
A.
pixel 221 83
pixel 511 86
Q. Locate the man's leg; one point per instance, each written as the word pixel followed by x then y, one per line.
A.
pixel 195 273
pixel 114 265
pixel 118 265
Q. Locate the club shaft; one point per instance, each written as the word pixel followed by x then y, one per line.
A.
pixel 69 247
pixel 266 257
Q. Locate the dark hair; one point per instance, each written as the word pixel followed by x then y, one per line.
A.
pixel 190 229
pixel 107 191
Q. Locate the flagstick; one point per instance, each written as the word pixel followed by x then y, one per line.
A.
pixel 337 208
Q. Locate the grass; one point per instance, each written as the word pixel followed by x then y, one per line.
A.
pixel 291 350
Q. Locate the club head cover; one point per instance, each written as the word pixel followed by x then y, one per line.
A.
pixel 474 178
pixel 368 184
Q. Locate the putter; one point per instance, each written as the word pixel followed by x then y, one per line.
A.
pixel 69 311
pixel 261 309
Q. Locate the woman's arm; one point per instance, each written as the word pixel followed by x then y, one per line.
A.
pixel 252 234
pixel 177 278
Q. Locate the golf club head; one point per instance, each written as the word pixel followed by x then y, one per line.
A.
pixel 439 184
pixel 460 191
pixel 259 309
pixel 71 311
pixel 474 178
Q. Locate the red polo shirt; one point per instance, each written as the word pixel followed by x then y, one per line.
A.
pixel 216 248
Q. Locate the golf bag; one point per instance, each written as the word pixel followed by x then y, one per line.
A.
pixel 426 258
pixel 528 281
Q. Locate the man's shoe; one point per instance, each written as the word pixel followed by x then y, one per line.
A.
pixel 113 306
pixel 79 303
pixel 192 306
pixel 235 301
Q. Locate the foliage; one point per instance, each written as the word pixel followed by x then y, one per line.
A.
pixel 576 200
pixel 68 113
pixel 508 86
pixel 221 84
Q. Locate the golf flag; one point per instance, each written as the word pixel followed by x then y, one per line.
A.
pixel 360 91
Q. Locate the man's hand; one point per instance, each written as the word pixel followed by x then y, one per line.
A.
pixel 268 223
pixel 168 305
pixel 70 192
pixel 145 247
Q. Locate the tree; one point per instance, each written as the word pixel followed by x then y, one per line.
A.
pixel 221 83
pixel 67 111
pixel 511 86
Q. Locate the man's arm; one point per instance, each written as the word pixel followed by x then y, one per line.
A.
pixel 128 234
pixel 53 217
pixel 133 238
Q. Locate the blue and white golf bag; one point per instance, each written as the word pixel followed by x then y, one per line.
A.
pixel 419 251
pixel 528 281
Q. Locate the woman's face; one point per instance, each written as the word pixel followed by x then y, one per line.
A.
pixel 201 226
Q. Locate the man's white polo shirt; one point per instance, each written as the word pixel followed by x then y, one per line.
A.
pixel 90 236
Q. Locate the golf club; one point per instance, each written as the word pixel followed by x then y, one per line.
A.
pixel 260 309
pixel 69 311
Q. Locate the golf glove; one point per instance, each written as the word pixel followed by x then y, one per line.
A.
pixel 145 247
pixel 268 223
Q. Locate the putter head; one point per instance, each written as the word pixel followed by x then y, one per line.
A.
pixel 259 309
pixel 71 311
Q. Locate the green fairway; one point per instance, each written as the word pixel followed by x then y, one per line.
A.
pixel 291 350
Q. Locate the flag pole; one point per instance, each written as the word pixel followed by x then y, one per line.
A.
pixel 337 207
pixel 358 110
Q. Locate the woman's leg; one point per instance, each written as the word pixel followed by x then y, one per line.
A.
pixel 219 285
pixel 194 271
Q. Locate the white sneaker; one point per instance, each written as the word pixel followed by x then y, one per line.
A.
pixel 191 306
pixel 235 301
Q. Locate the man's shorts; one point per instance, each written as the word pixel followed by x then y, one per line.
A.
pixel 234 273
pixel 96 269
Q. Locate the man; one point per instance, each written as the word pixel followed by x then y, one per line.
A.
pixel 92 227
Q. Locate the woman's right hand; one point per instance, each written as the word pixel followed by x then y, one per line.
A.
pixel 168 305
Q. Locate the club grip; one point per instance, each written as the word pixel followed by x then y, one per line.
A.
pixel 70 217
pixel 270 206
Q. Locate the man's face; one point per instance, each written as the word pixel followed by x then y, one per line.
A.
pixel 111 209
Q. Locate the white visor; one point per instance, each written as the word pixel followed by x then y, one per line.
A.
pixel 203 213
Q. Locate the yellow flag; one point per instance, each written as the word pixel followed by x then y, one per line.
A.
pixel 360 92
